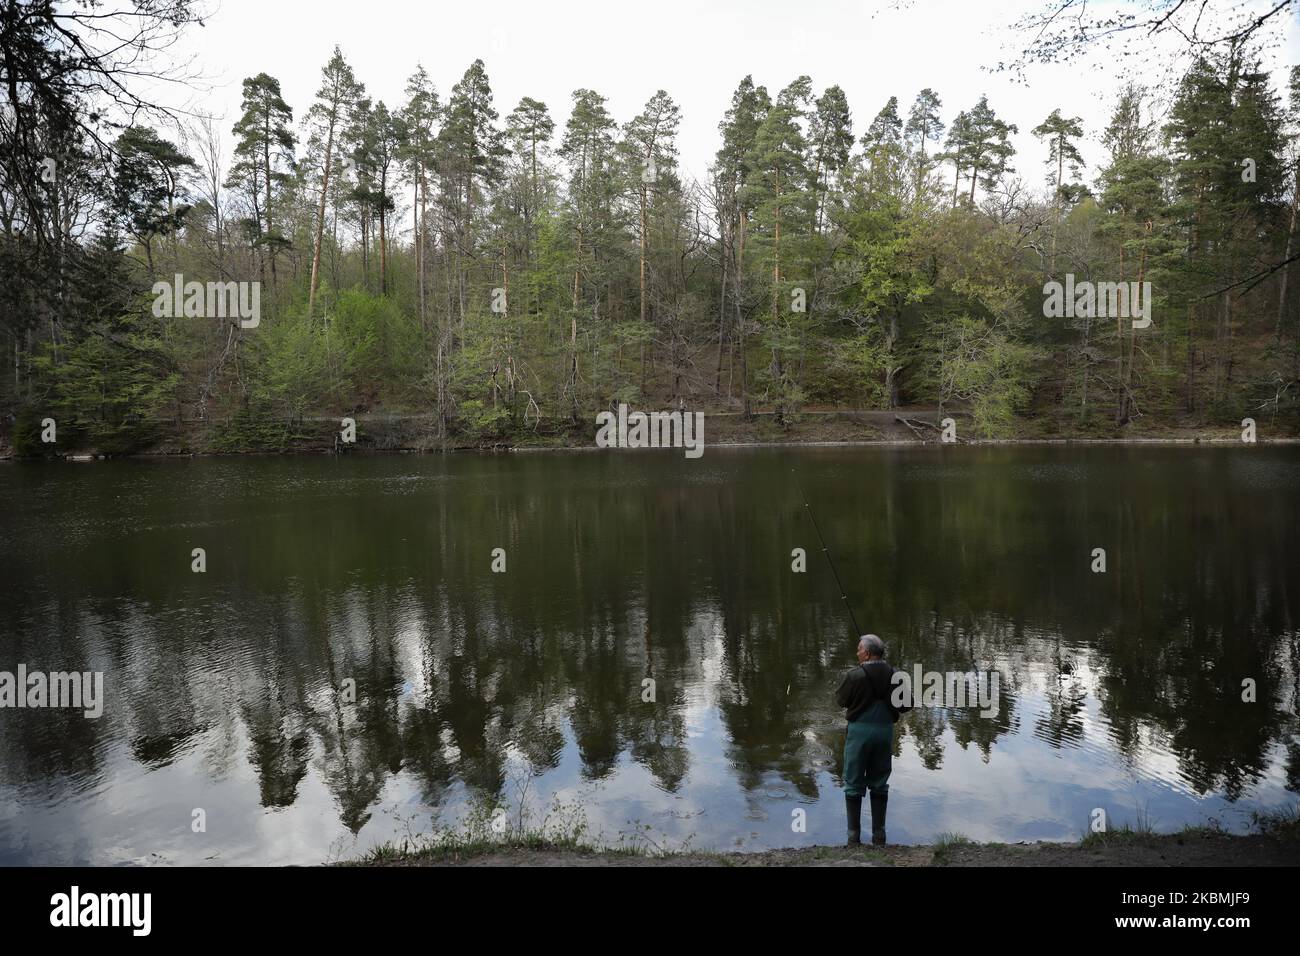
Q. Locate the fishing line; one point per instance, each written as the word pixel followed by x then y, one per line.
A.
pixel 857 631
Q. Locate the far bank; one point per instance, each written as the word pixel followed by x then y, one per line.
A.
pixel 419 433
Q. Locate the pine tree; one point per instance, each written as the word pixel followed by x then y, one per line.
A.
pixel 885 255
pixel 1292 129
pixel 149 196
pixel 883 152
pixel 831 138
pixel 1224 133
pixel 385 142
pixel 530 128
pixel 651 137
pixel 957 149
pixel 749 107
pixel 779 189
pixel 417 126
pixel 1133 196
pixel 587 148
pixel 923 125
pixel 988 148
pixel 1060 134
pixel 359 150
pixel 339 90
pixel 264 162
pixel 470 157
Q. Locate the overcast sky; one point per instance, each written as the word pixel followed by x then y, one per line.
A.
pixel 697 50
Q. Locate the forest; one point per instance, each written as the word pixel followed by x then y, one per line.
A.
pixel 497 273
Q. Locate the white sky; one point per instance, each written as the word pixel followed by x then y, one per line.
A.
pixel 697 50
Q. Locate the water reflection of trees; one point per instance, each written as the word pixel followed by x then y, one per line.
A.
pixel 615 578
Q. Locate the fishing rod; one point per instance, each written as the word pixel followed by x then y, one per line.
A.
pixel 857 631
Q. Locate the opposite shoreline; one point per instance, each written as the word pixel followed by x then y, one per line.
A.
pixel 410 435
pixel 362 433
pixel 7 456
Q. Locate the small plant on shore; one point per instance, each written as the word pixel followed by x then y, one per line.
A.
pixel 1210 828
pixel 945 843
pixel 639 841
pixel 490 827
pixel 1132 835
pixel 1281 824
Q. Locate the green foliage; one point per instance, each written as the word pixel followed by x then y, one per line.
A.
pixel 382 346
pixel 1060 133
pixel 482 420
pixel 501 276
pixel 264 155
pixel 984 366
pixel 148 191
pixel 252 428
pixel 103 393
pixel 857 370
pixel 295 369
pixel 27 434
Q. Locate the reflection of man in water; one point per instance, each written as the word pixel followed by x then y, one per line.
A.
pixel 869 742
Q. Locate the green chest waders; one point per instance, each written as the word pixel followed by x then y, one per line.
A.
pixel 868 760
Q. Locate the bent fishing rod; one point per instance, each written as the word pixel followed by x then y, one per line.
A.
pixel 857 631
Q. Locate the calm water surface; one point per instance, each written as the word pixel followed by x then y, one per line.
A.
pixel 1120 690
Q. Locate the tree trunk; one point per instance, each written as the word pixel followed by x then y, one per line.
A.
pixel 266 161
pixel 1125 413
pixel 746 409
pixel 891 370
pixel 1060 170
pixel 383 235
pixel 320 223
pixel 1286 269
pixel 424 244
pixel 727 248
pixel 643 298
pixel 776 252
pixel 365 251
pixel 643 253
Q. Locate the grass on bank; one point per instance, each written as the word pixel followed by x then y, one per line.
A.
pixel 488 830
pixel 945 843
pixel 1283 824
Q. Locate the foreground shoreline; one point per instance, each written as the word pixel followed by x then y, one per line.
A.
pixel 1194 847
pixel 1275 842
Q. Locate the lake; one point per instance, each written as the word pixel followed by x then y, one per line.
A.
pixel 349 668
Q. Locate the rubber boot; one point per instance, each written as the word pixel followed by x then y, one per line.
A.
pixel 853 806
pixel 878 803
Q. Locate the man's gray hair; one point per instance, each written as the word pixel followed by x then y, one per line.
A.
pixel 874 645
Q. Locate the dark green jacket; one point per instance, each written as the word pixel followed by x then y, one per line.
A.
pixel 863 686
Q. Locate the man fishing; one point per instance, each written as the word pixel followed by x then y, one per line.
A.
pixel 869 743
